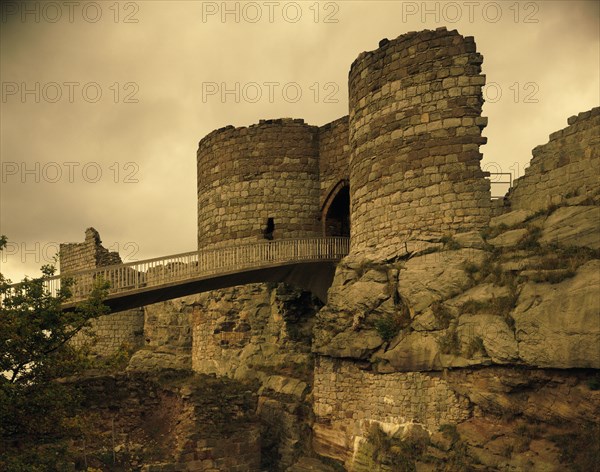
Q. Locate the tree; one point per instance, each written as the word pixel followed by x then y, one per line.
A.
pixel 35 351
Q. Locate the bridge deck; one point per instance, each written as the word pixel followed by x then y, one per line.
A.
pixel 308 262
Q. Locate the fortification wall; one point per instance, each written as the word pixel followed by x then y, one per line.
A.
pixel 86 255
pixel 415 132
pixel 334 155
pixel 248 175
pixel 567 165
pixel 112 332
pixel 347 399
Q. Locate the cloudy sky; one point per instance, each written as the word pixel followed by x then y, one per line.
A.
pixel 103 103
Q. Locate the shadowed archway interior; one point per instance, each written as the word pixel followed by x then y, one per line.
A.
pixel 336 211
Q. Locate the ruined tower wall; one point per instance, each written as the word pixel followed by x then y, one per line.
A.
pixel 568 165
pixel 114 331
pixel 415 132
pixel 334 155
pixel 248 175
pixel 86 255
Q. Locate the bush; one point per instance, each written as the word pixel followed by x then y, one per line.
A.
pixel 441 314
pixel 391 324
pixel 475 346
pixel 449 342
pixel 398 453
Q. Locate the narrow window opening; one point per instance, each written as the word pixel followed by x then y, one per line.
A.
pixel 269 229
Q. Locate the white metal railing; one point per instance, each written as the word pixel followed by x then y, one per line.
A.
pixel 165 270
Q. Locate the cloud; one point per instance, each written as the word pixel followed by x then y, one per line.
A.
pixel 152 113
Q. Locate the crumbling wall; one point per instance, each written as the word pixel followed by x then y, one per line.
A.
pixel 567 165
pixel 415 132
pixel 112 332
pixel 86 255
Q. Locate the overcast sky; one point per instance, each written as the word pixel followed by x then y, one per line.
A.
pixel 103 103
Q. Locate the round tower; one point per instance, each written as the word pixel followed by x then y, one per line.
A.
pixel 415 132
pixel 258 182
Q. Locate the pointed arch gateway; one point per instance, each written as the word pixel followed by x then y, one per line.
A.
pixel 335 213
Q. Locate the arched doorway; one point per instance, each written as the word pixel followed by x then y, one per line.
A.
pixel 335 214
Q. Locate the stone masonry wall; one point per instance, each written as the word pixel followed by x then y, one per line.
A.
pixel 334 155
pixel 123 330
pixel 248 175
pixel 415 132
pixel 568 165
pixel 86 255
pixel 111 332
pixel 347 398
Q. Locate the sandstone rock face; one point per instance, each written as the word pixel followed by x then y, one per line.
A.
pixel 512 218
pixel 558 325
pixel 262 333
pixel 509 238
pixel 573 226
pixel 414 352
pixel 165 423
pixel 436 276
pixel 497 338
pixel 471 239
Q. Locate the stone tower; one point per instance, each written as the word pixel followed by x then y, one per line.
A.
pixel 415 132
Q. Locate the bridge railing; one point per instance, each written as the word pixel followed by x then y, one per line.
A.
pixel 171 269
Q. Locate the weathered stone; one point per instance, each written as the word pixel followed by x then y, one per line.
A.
pixel 567 166
pixel 509 238
pixel 309 464
pixel 498 339
pixel 573 226
pixel 436 276
pixel 414 352
pixel 352 344
pixel 471 239
pixel 360 296
pixel 558 325
pixel 480 293
pixel 510 219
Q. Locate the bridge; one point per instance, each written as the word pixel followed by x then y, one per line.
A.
pixel 308 263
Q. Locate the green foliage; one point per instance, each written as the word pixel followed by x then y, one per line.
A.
pixel 490 233
pixel 34 353
pixel 559 263
pixel 457 459
pixel 441 314
pixel 581 448
pixel 500 306
pixel 450 432
pixel 593 383
pixel 390 324
pixel 471 268
pixel 530 241
pixel 474 346
pixel 543 212
pixel 400 454
pixel 450 243
pixel 494 306
pixel 449 342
